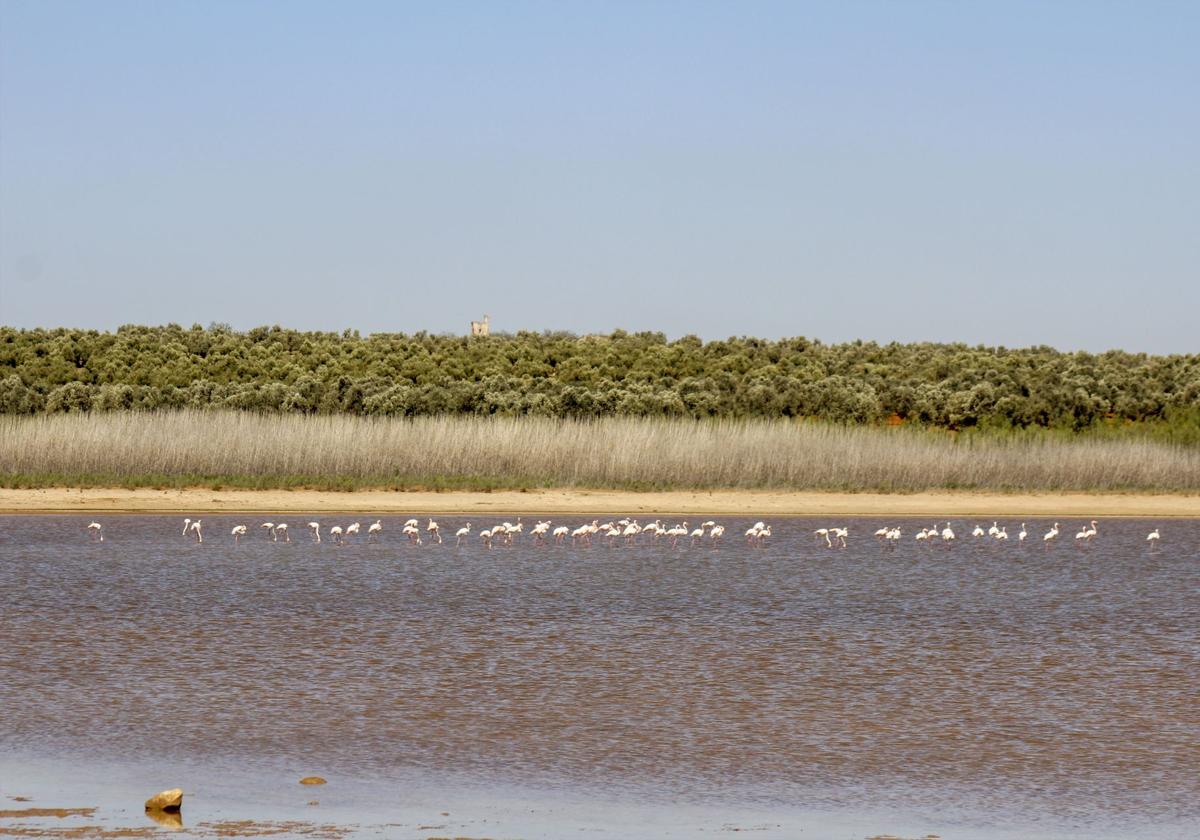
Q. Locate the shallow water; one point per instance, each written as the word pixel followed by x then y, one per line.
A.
pixel 990 686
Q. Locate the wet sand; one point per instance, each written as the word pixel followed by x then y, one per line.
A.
pixel 569 501
pixel 220 801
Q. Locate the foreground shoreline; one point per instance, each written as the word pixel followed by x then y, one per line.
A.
pixel 576 501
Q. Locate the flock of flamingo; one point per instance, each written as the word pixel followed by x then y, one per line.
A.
pixel 626 531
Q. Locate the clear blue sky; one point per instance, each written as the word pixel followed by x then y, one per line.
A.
pixel 1003 173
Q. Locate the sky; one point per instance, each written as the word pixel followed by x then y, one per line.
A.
pixel 1008 173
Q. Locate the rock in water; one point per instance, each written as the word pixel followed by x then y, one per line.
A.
pixel 312 780
pixel 168 800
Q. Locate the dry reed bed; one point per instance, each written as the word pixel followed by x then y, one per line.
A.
pixel 287 450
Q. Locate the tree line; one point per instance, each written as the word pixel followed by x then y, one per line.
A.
pixel 271 369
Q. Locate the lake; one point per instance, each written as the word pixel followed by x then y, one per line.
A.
pixel 988 690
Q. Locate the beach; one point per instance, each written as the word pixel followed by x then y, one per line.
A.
pixel 577 501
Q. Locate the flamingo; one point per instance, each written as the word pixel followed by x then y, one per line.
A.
pixel 1091 532
pixel 513 531
pixel 715 533
pixel 195 529
pixel 922 535
pixel 993 531
pixel 978 532
pixel 1023 534
pixel 583 533
pixel 1002 533
pixel 315 527
pixel 187 523
pixel 95 529
pixel 413 533
pixel 238 532
pixel 655 529
pixel 411 523
pixel 432 528
pixel 270 526
pixel 1050 536
pixel 462 532
pixel 281 528
pixel 560 533
pixel 336 533
pixel 882 533
pixel 375 530
pixel 697 534
pixel 948 536
pixel 821 532
pixel 1153 537
pixel 485 537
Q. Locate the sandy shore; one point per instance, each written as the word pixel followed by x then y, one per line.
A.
pixel 729 502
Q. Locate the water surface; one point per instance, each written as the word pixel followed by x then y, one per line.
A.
pixel 991 687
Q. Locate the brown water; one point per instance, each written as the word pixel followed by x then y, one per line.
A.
pixel 992 686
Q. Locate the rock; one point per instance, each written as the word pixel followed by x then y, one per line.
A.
pixel 312 780
pixel 168 800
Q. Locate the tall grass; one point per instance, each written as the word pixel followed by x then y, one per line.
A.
pixel 239 449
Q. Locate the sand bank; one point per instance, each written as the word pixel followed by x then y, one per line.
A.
pixel 728 502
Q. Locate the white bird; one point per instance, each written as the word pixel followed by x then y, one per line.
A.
pixel 821 532
pixel 1051 535
pixel 281 528
pixel 410 523
pixel 195 529
pixel 95 529
pixel 511 532
pixel 947 534
pixel 187 523
pixel 978 532
pixel 1002 533
pixel 840 534
pixel 1021 536
pixel 413 533
pixel 560 533
pixel 882 533
pixel 270 526
pixel 993 531
pixel 316 531
pixel 432 528
pixel 336 533
pixel 238 532
pixel 922 535
pixel 462 532
pixel 353 529
pixel 716 532
pixel 1153 538
pixel 374 530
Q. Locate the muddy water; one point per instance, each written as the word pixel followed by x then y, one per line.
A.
pixel 988 684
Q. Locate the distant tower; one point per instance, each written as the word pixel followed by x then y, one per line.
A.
pixel 480 327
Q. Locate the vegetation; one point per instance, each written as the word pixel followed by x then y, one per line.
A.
pixel 557 375
pixel 245 449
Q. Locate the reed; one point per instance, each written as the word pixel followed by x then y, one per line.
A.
pixel 239 449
